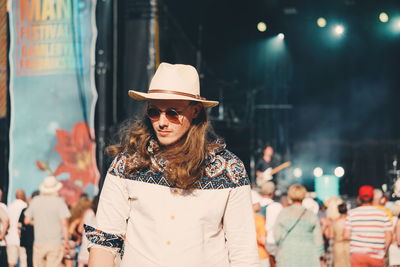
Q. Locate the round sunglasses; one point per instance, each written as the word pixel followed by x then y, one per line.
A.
pixel 171 114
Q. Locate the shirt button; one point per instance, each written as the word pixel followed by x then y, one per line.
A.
pixel 168 242
pixel 172 217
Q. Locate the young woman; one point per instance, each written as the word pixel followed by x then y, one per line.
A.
pixel 298 233
pixel 174 195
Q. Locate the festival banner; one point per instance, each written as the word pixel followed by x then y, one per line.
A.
pixel 53 95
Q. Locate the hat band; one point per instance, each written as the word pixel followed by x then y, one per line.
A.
pixel 175 93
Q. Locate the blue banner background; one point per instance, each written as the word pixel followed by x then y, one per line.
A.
pixel 51 89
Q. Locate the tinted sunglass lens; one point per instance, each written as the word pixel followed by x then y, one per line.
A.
pixel 153 113
pixel 172 114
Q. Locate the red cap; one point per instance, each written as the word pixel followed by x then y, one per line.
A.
pixel 366 192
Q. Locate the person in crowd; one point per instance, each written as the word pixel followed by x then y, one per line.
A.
pixel 284 201
pixel 341 247
pixel 49 214
pixel 89 218
pixel 394 248
pixel 298 233
pixel 174 195
pixel 26 232
pixel 369 230
pixel 260 229
pixel 330 205
pixel 74 221
pixel 4 224
pixel 15 251
pixel 271 209
pixel 380 200
pixel 265 165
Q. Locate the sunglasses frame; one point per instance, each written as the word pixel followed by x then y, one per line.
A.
pixel 176 118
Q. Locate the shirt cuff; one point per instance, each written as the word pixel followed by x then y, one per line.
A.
pixel 111 242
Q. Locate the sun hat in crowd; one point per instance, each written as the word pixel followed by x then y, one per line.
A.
pixel 366 192
pixel 267 188
pixel 174 82
pixel 50 185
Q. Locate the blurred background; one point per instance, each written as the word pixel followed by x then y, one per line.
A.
pixel 317 80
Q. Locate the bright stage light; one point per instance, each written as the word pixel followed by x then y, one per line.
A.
pixel 396 25
pixel 297 172
pixel 321 22
pixel 281 36
pixel 338 30
pixel 383 17
pixel 261 26
pixel 318 172
pixel 339 172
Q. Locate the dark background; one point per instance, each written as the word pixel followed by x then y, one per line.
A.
pixel 320 102
pixel 344 92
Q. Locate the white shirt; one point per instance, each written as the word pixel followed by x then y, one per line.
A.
pixel 212 226
pixel 14 211
pixel 272 212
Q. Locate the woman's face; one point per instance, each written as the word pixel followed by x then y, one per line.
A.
pixel 169 129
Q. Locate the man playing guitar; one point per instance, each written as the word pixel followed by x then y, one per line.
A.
pixel 267 166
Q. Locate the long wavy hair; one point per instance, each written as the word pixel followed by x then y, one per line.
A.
pixel 185 163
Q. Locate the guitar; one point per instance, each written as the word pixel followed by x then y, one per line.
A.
pixel 267 175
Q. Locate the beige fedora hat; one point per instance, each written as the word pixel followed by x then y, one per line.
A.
pixel 174 82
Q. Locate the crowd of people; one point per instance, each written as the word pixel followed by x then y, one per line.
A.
pixel 303 232
pixel 42 231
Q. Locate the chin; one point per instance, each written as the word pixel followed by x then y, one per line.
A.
pixel 165 141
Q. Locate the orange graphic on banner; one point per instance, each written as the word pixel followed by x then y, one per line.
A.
pixel 3 59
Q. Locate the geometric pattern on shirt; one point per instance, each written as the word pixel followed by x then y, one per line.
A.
pixel 223 170
pixel 99 237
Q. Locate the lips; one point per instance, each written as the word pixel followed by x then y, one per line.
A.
pixel 164 133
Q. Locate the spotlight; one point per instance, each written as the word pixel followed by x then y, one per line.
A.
pixel 383 17
pixel 396 25
pixel 297 172
pixel 321 22
pixel 281 36
pixel 318 172
pixel 338 30
pixel 261 26
pixel 339 172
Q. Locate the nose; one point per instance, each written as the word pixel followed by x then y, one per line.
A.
pixel 163 121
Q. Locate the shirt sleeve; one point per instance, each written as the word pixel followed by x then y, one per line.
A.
pixel 28 212
pixel 239 227
pixel 3 214
pixel 63 211
pixel 278 228
pixel 259 166
pixel 112 213
pixel 387 223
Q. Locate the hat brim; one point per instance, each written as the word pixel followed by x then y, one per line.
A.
pixel 160 96
pixel 46 190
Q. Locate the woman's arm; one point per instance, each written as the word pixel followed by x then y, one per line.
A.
pixel 239 227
